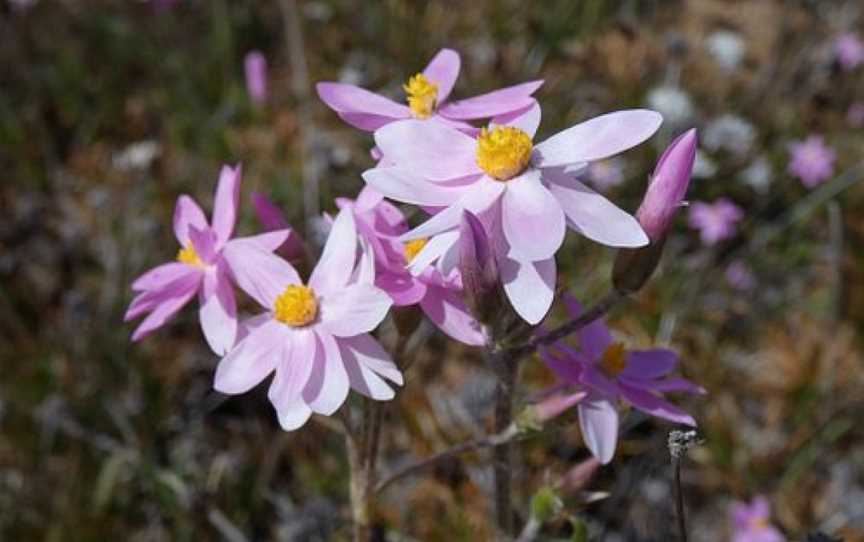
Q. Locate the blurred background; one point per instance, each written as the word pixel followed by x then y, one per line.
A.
pixel 111 109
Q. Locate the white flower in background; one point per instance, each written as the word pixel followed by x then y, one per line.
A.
pixel 704 167
pixel 671 102
pixel 727 48
pixel 758 174
pixel 137 155
pixel 730 133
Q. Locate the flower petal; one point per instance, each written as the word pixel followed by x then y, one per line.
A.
pixel 225 203
pixel 527 119
pixel 447 310
pixel 293 368
pixel 204 243
pixel 402 288
pixel 443 70
pixel 362 378
pixel 187 213
pixel 668 385
pixel 328 384
pixel 359 107
pixel 594 216
pixel 252 359
pixel 598 420
pixel 530 286
pixel 498 102
pixel 164 304
pixel 431 251
pixel 260 274
pixel 269 241
pixel 594 338
pixel 354 309
pixel 532 219
pixel 218 311
pixel 482 195
pixel 294 415
pixel 334 268
pixel 566 368
pixel 652 404
pixel 598 138
pixel 649 364
pixel 428 148
pixel 369 353
pixel 162 275
pixel 403 185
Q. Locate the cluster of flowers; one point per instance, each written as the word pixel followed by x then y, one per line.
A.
pixel 498 207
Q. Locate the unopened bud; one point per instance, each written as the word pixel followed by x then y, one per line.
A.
pixel 272 219
pixel 480 281
pixel 666 189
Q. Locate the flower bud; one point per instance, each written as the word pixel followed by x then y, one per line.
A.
pixel 272 219
pixel 478 268
pixel 666 190
pixel 255 68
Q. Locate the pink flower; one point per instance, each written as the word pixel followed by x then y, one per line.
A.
pixel 525 194
pixel 427 94
pixel 811 160
pixel 255 68
pixel 715 221
pixel 606 372
pixel 668 186
pixel 849 51
pixel 437 292
pixel 200 268
pixel 752 522
pixel 314 337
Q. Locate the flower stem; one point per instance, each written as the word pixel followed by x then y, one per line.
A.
pixel 502 453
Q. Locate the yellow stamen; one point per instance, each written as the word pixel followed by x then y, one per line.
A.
pixel 613 360
pixel 296 306
pixel 503 152
pixel 422 94
pixel 412 247
pixel 188 256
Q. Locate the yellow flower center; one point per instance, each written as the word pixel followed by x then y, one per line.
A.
pixel 296 306
pixel 613 360
pixel 188 256
pixel 412 247
pixel 503 152
pixel 422 94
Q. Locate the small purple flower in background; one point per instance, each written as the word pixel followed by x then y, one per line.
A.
pixel 606 372
pixel 751 522
pixel 314 336
pixel 849 51
pixel 255 68
pixel 526 194
pixel 855 115
pixel 427 93
pixel 739 276
pixel 715 221
pixel 606 174
pixel 811 160
pixel 200 268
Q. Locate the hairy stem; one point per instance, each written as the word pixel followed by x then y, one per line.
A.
pixel 502 454
pixel 361 512
pixel 679 499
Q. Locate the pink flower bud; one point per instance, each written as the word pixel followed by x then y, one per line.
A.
pixel 477 267
pixel 665 193
pixel 255 66
pixel 272 219
pixel 668 186
pixel 555 405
